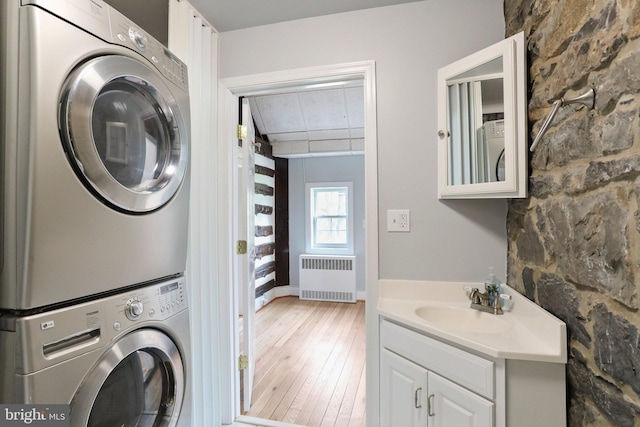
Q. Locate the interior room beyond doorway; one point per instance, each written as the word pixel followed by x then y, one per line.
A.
pixel 319 132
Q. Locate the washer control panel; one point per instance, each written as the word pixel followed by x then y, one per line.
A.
pixel 66 332
pixel 133 308
pixel 172 297
pixel 156 302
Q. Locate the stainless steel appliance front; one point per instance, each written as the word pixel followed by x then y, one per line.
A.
pixel 124 133
pixel 120 360
pixel 95 149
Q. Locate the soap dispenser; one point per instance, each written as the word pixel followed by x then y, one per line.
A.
pixel 492 285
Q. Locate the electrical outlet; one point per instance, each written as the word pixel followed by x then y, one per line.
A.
pixel 399 220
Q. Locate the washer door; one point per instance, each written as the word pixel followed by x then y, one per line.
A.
pixel 139 382
pixel 123 133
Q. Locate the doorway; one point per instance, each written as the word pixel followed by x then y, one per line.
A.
pixel 230 91
pixel 318 131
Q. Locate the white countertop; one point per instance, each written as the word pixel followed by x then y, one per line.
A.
pixel 526 332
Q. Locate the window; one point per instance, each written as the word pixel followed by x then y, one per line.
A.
pixel 329 217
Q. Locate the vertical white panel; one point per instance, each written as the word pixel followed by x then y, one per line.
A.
pixel 193 40
pixel 454 170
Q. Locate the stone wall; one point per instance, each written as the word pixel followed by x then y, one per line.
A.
pixel 574 244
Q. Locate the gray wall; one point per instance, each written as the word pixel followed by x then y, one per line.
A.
pixel 325 169
pixel 449 241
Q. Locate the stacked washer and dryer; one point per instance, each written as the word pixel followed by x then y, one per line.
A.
pixel 94 155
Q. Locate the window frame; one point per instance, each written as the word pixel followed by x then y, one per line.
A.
pixel 311 248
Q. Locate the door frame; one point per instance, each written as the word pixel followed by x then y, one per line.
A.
pixel 229 91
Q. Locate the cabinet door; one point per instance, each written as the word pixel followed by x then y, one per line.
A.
pixel 403 392
pixel 453 406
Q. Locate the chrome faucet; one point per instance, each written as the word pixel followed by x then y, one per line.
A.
pixel 483 301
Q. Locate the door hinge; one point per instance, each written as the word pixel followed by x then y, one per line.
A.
pixel 241 247
pixel 243 362
pixel 242 132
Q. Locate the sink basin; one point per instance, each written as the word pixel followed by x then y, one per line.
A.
pixel 463 319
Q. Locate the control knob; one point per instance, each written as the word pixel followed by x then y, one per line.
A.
pixel 139 39
pixel 134 309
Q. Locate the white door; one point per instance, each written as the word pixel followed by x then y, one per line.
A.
pixel 453 406
pixel 403 392
pixel 247 282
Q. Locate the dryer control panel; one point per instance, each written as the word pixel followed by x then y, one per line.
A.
pixel 98 18
pixel 128 34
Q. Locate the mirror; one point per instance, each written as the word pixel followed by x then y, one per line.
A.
pixel 482 124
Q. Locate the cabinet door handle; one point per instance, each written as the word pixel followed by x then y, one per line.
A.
pixel 417 403
pixel 430 405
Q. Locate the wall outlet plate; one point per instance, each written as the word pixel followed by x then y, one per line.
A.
pixel 399 220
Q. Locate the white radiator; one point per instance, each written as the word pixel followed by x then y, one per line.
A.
pixel 328 278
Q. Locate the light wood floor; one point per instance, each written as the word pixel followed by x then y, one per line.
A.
pixel 310 363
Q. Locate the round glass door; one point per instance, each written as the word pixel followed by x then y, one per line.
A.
pixel 124 133
pixel 138 383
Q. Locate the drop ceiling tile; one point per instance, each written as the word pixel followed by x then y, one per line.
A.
pixel 357 145
pixel 356 133
pixel 290 136
pixel 332 146
pixel 331 120
pixel 257 117
pixel 316 135
pixel 290 147
pixel 324 109
pixel 280 113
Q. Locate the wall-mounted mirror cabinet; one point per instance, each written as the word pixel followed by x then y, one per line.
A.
pixel 482 124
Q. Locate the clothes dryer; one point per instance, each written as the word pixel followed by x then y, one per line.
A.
pixel 94 151
pixel 121 360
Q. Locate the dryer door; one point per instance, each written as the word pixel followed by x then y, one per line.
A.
pixel 139 382
pixel 124 133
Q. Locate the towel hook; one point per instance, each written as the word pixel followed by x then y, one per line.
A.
pixel 587 99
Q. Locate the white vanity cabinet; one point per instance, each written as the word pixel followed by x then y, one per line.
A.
pixel 410 394
pixel 430 383
pixel 452 405
pixel 403 391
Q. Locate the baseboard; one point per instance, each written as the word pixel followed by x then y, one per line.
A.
pixel 277 292
pixel 244 420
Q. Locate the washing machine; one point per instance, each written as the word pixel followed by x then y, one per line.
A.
pixel 94 151
pixel 122 360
